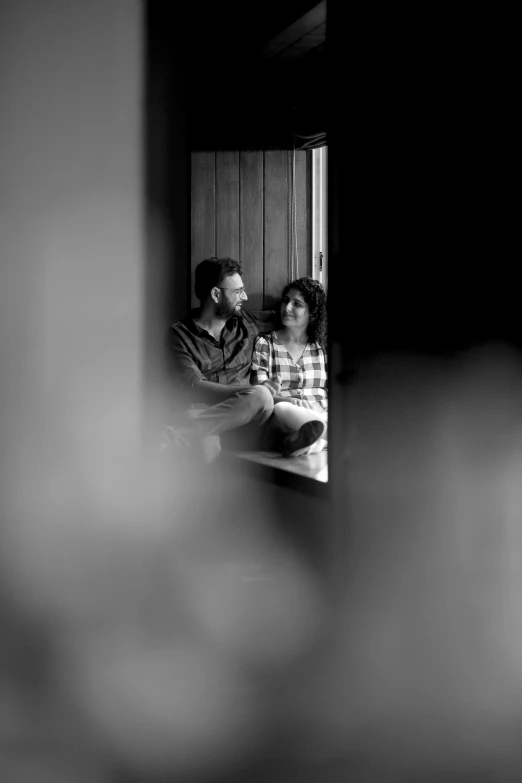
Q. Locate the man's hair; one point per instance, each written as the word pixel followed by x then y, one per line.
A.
pixel 211 272
pixel 314 295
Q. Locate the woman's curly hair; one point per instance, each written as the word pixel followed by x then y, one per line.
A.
pixel 315 297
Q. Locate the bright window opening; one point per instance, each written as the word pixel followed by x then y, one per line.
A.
pixel 320 215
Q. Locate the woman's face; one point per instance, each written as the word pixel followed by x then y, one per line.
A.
pixel 294 309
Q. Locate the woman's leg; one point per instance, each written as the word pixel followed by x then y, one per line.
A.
pixel 290 418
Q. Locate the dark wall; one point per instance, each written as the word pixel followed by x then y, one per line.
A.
pixel 166 278
pixel 424 247
pixel 167 156
pixel 239 98
pixel 424 137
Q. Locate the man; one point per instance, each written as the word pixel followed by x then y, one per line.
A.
pixel 211 352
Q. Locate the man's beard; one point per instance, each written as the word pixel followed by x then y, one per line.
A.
pixel 226 311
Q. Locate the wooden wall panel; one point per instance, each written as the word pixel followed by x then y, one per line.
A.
pixel 243 207
pixel 277 225
pixel 302 219
pixel 251 218
pixel 227 204
pixel 203 211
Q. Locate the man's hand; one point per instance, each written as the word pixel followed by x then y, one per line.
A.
pixel 293 400
pixel 299 402
pixel 274 385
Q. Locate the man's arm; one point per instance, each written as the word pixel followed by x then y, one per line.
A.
pixel 182 362
pixel 212 393
pixel 264 321
pixel 185 368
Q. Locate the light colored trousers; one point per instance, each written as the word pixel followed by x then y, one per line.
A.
pixel 289 418
pixel 249 419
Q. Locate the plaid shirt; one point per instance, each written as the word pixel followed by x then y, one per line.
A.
pixel 306 379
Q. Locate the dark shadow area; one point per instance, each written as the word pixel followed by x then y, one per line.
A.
pixel 242 94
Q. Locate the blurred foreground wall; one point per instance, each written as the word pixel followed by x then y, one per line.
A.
pixel 71 232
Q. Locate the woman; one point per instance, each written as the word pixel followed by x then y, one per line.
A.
pixel 292 362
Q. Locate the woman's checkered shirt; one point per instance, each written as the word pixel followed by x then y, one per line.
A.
pixel 306 379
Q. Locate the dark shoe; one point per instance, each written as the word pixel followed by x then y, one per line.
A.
pixel 298 443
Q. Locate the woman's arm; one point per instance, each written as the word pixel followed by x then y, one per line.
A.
pixel 260 366
pixel 214 393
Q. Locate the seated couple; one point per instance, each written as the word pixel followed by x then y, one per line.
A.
pixel 254 380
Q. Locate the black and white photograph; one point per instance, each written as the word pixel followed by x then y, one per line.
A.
pixel 260 393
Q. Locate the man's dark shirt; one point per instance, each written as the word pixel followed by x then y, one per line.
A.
pixel 196 356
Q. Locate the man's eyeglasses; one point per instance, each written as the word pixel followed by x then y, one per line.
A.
pixel 237 291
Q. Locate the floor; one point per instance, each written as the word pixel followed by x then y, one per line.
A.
pixel 313 466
